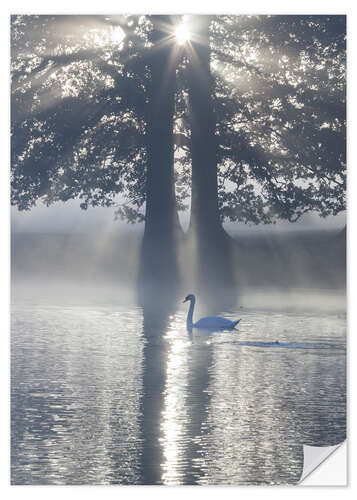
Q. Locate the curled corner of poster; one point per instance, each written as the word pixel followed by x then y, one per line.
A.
pixel 325 465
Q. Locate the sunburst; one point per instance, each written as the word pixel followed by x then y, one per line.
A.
pixel 182 34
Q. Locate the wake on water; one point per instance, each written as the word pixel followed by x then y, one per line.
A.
pixel 289 345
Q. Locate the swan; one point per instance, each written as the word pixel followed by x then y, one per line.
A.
pixel 209 322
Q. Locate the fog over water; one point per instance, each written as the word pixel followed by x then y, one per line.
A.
pixel 63 242
pixel 70 218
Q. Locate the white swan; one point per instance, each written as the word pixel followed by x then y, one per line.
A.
pixel 209 322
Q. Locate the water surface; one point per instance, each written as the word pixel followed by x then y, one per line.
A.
pixel 107 392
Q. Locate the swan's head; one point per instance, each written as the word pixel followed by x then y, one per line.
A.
pixel 190 297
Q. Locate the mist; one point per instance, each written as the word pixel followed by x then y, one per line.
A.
pixel 69 218
pixel 67 251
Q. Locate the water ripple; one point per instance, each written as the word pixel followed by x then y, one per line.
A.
pixel 109 395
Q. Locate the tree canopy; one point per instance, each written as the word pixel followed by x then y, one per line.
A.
pixel 279 97
pixel 78 111
pixel 79 118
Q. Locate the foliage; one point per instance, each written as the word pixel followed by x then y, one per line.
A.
pixel 79 113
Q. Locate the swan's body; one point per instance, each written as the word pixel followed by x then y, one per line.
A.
pixel 209 322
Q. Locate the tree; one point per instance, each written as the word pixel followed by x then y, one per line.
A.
pixel 282 129
pixel 75 130
pixel 92 117
pixel 266 116
pixel 259 109
pixel 214 256
pixel 278 97
pixel 204 205
pixel 161 219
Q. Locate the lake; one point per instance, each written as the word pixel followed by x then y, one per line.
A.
pixel 105 391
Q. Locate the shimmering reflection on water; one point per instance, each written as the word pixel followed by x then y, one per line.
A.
pixel 103 394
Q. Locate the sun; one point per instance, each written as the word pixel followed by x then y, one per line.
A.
pixel 117 35
pixel 182 34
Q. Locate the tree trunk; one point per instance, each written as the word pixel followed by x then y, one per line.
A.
pixel 205 220
pixel 213 245
pixel 161 218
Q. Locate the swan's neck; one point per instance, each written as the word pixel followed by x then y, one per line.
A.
pixel 190 314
